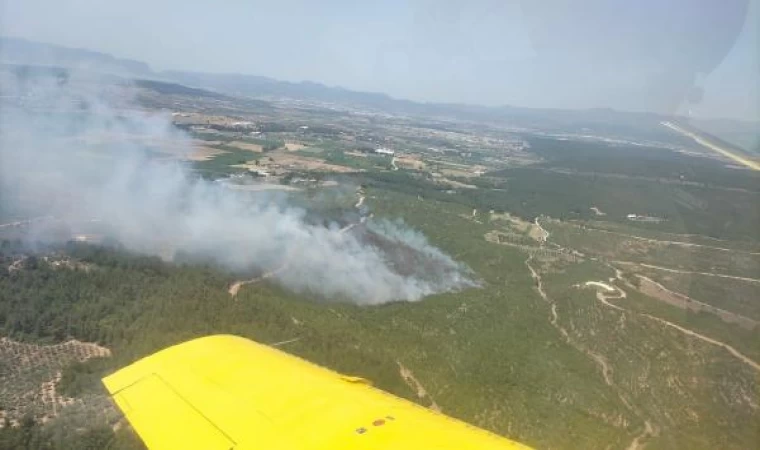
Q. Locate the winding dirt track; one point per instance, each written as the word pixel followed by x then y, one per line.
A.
pixel 667 242
pixel 544 234
pixel 691 272
pixel 730 349
pixel 609 291
pixel 651 288
pixel 619 294
pixel 599 359
pixel 607 373
pixel 604 299
pixel 648 431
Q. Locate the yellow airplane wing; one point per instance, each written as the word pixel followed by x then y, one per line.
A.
pixel 227 392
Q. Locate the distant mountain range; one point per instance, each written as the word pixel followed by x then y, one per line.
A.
pixel 24 52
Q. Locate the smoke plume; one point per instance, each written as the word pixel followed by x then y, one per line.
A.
pixel 78 150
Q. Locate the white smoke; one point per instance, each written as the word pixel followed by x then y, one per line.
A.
pixel 77 150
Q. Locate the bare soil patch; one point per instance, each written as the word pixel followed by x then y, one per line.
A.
pixel 410 162
pixel 282 161
pixel 251 147
pixel 203 153
pixel 293 146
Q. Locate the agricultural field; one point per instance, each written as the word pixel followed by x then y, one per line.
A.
pixel 31 377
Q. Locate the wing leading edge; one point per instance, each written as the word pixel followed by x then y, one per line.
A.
pixel 227 392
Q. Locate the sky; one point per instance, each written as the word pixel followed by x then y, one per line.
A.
pixel 644 55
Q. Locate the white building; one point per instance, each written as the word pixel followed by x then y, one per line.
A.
pixel 385 151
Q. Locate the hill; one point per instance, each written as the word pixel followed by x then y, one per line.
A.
pixel 608 121
pixel 25 52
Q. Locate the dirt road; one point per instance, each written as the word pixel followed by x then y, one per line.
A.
pixel 607 292
pixel 668 269
pixel 281 343
pixel 537 279
pixel 637 443
pixel 416 386
pixel 544 234
pixel 667 242
pixel 542 293
pixel 235 287
pixel 605 300
pixel 605 296
pixel 347 228
pixel 702 337
pixel 233 290
pixel 651 288
pixel 599 359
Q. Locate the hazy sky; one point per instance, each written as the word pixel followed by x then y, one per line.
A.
pixel 636 55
